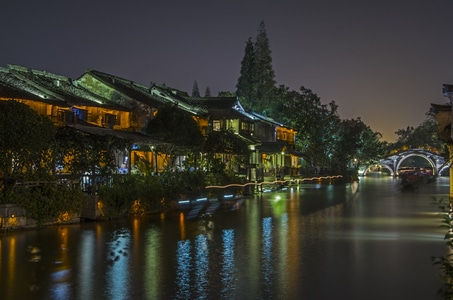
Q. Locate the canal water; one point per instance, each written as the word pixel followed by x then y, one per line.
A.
pixel 369 240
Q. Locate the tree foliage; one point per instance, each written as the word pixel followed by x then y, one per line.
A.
pixel 247 80
pixel 314 121
pixel 207 92
pixel 175 126
pixel 131 194
pixel 81 152
pixel 195 90
pixel 264 72
pixel 46 203
pixel 356 144
pixel 423 136
pixel 26 139
pixel 256 84
pixel 225 141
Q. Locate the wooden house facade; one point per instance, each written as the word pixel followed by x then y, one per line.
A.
pixel 99 103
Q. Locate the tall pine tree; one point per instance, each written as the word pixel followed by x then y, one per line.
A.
pixel 207 92
pixel 264 73
pixel 256 84
pixel 195 90
pixel 246 81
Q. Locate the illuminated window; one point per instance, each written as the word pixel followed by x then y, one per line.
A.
pixel 216 125
pixel 109 119
pixel 81 114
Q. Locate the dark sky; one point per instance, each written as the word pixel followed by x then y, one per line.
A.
pixel 384 61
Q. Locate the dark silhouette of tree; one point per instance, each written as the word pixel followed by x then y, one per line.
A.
pixel 246 82
pixel 172 125
pixel 256 83
pixel 226 94
pixel 207 92
pixel 26 139
pixel 356 144
pixel 225 141
pixel 264 72
pixel 314 122
pixel 423 136
pixel 195 90
pixel 92 154
pixel 178 130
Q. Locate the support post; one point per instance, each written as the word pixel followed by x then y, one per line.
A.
pixel 450 160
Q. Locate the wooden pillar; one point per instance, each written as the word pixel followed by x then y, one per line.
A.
pixel 450 153
pixel 129 160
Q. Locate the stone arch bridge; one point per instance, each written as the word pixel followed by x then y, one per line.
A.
pixel 393 163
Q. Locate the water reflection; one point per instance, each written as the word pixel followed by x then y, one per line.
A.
pixel 153 263
pixel 183 258
pixel 201 266
pixel 118 274
pixel 228 266
pixel 310 242
pixel 266 252
pixel 86 262
pixel 283 265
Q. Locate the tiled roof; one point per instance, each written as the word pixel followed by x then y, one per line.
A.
pixel 222 107
pixel 213 103
pixel 135 137
pixel 124 86
pixel 154 96
pixel 267 119
pixel 10 92
pixel 15 88
pixel 60 87
pixel 441 107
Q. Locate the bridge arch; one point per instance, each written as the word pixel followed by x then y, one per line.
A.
pixel 428 159
pixel 393 163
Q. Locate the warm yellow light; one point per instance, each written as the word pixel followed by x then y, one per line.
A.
pixel 64 217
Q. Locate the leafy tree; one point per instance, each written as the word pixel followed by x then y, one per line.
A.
pixel 195 90
pixel 227 143
pixel 372 147
pixel 403 136
pixel 315 123
pixel 185 184
pixel 130 194
pixel 423 136
pixel 26 139
pixel 47 202
pixel 81 153
pixel 226 94
pixel 356 144
pixel 175 127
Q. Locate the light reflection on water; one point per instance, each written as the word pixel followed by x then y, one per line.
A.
pixel 311 242
pixel 153 264
pixel 87 257
pixel 266 252
pixel 117 277
pixel 183 258
pixel 201 266
pixel 228 264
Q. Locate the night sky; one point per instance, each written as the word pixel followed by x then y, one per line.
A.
pixel 384 61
